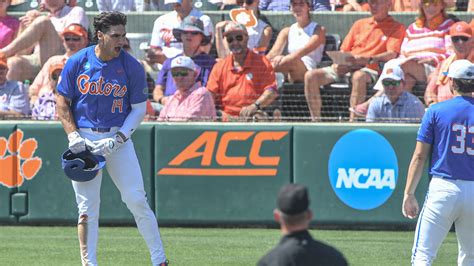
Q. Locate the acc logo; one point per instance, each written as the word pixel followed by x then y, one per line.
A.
pixel 204 148
pixel 363 169
pixel 18 164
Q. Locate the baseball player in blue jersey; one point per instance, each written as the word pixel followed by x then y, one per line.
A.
pixel 102 100
pixel 447 135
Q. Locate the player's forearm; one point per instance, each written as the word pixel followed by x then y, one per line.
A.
pixel 415 171
pixel 65 114
pixel 133 120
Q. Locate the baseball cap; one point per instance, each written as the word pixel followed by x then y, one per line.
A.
pixel 183 61
pixel 173 2
pixel 293 199
pixel 191 23
pixel 461 69
pixel 460 28
pixel 75 29
pixel 234 27
pixel 392 71
pixel 56 66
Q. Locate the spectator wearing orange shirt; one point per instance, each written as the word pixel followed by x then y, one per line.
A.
pixel 370 40
pixel 438 88
pixel 243 82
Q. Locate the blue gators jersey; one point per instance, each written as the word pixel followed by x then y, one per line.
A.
pixel 102 93
pixel 449 127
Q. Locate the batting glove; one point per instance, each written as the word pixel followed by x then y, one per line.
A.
pixel 108 145
pixel 78 144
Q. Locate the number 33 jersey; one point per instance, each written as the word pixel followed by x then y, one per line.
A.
pixel 449 127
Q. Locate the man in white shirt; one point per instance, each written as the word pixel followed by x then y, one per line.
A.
pixel 163 44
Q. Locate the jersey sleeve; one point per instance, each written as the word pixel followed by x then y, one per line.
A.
pixel 425 132
pixel 67 81
pixel 137 82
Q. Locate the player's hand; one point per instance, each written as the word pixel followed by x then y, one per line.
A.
pixel 410 206
pixel 108 146
pixel 78 144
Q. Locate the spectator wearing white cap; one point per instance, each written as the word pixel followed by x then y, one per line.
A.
pixel 163 43
pixel 395 104
pixel 191 33
pixel 191 101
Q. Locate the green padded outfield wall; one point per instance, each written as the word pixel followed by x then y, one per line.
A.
pixel 7 177
pixel 223 173
pixel 49 197
pixel 218 173
pixel 369 162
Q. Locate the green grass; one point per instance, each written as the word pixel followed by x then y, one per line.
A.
pixel 25 245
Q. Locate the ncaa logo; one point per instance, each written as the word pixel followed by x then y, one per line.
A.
pixel 363 169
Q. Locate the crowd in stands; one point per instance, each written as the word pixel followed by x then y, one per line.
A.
pixel 234 71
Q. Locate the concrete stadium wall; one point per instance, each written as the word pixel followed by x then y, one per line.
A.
pixel 214 173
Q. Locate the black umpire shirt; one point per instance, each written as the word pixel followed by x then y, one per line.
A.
pixel 300 249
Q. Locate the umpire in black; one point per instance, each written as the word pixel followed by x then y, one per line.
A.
pixel 297 247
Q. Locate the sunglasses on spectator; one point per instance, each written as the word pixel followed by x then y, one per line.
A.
pixel 182 73
pixel 459 38
pixel 74 39
pixel 191 32
pixel 394 83
pixel 248 2
pixel 428 2
pixel 239 38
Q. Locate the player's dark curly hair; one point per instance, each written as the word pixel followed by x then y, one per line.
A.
pixel 105 20
pixel 464 85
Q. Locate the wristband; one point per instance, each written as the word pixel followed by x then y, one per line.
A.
pixel 257 104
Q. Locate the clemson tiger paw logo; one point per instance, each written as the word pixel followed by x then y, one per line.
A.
pixel 16 159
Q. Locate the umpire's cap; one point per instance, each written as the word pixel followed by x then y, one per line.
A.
pixel 81 167
pixel 293 199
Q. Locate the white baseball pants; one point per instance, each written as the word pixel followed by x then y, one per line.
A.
pixel 448 201
pixel 124 169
